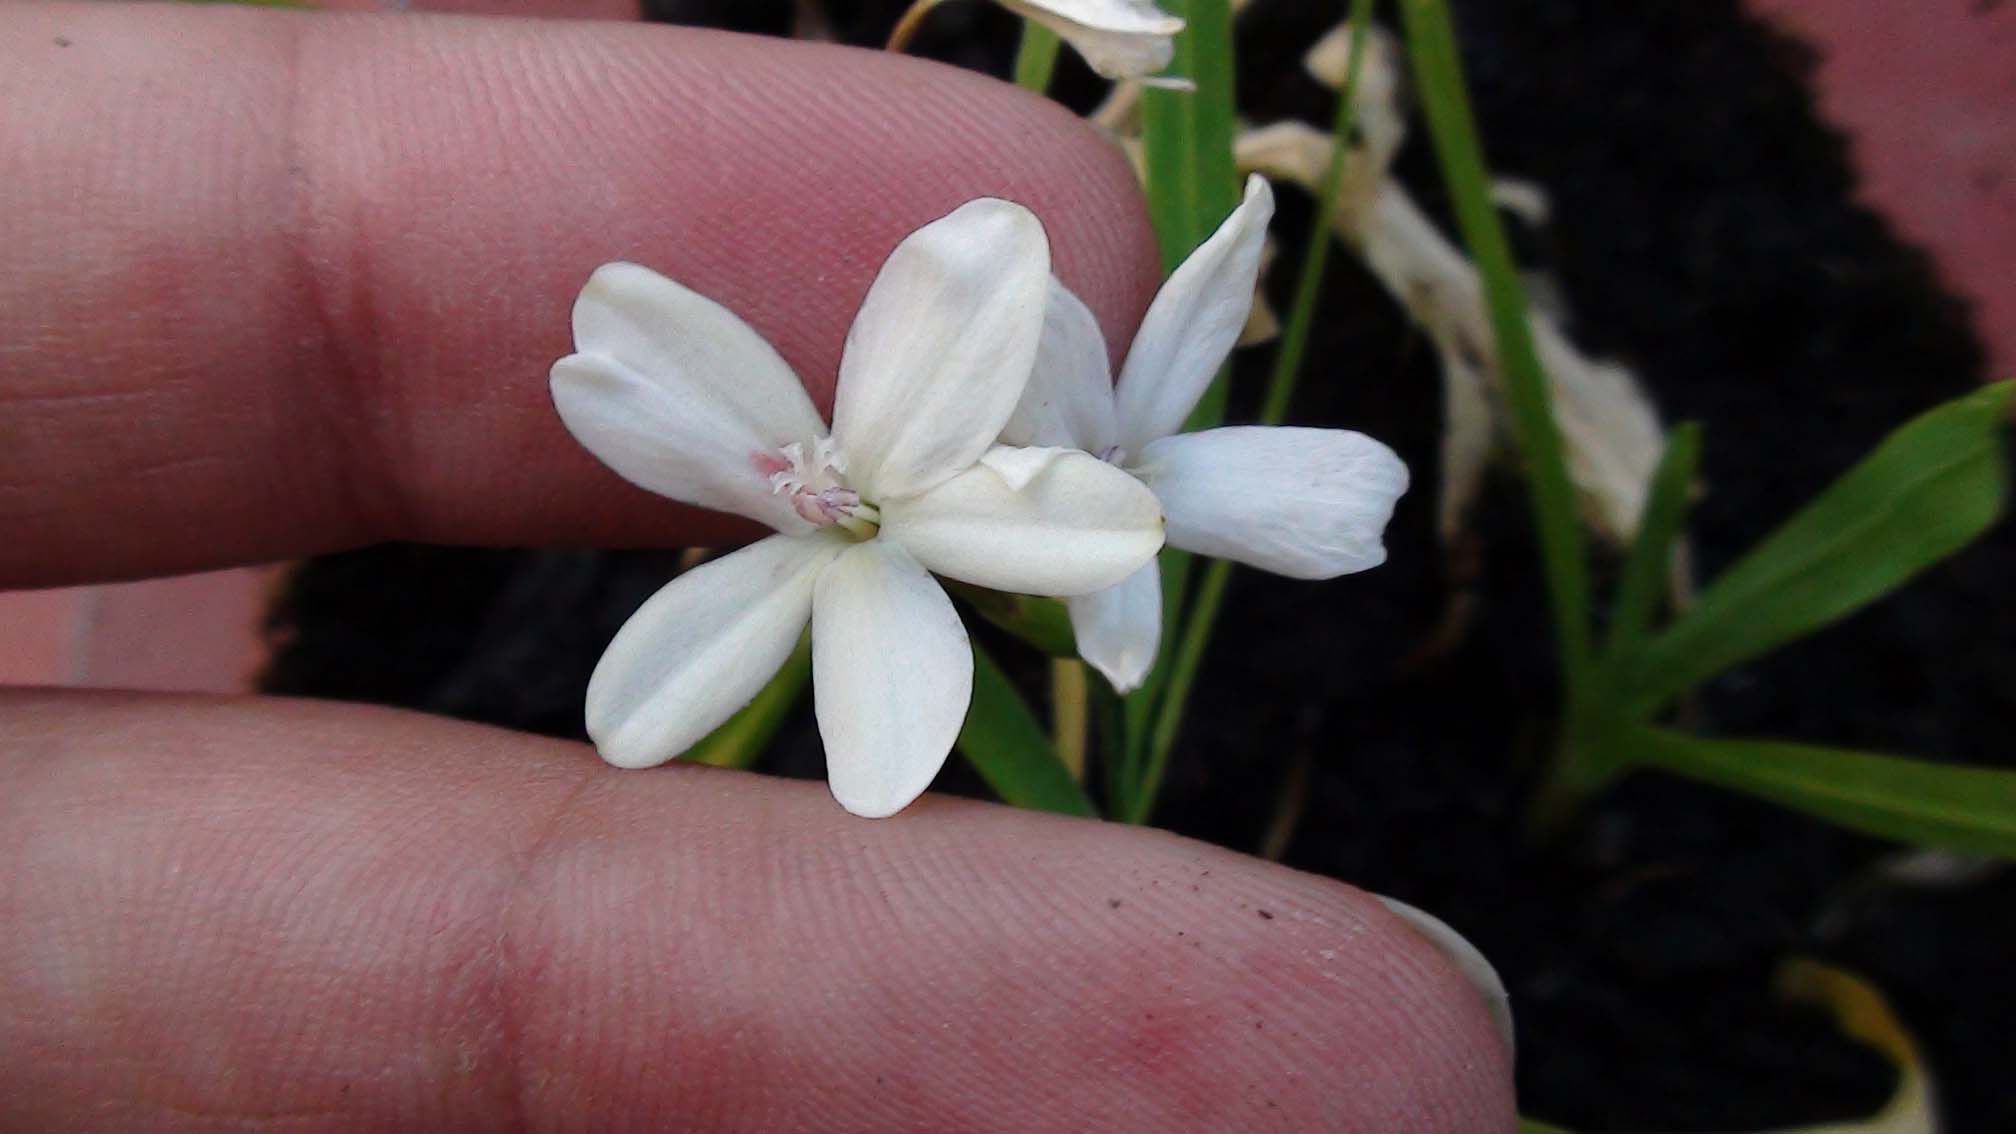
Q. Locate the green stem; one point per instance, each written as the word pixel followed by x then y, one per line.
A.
pixel 1295 336
pixel 1193 184
pixel 1580 766
pixel 1182 674
pixel 1431 43
pixel 1148 764
pixel 1036 58
pixel 1070 713
pixel 740 740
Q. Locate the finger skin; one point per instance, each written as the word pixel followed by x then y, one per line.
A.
pixel 277 283
pixel 234 913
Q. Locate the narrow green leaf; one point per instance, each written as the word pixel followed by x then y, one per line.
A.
pixel 1169 147
pixel 1972 810
pixel 742 737
pixel 1535 1126
pixel 1925 492
pixel 1150 757
pixel 1183 666
pixel 1036 58
pixel 1138 708
pixel 1431 45
pixel 1041 622
pixel 1193 185
pixel 1309 281
pixel 1007 747
pixel 1649 565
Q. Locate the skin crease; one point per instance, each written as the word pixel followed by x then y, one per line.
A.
pixel 275 284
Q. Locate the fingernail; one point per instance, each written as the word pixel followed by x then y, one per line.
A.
pixel 1469 962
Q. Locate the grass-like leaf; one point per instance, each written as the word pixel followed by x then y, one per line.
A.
pixel 1930 488
pixel 1431 45
pixel 1009 749
pixel 1972 810
pixel 1040 622
pixel 742 737
pixel 1647 568
pixel 1193 185
pixel 1036 58
pixel 1193 181
pixel 1196 631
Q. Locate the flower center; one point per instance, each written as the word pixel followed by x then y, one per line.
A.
pixel 1113 455
pixel 817 488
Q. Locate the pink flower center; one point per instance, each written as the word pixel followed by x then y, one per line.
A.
pixel 816 485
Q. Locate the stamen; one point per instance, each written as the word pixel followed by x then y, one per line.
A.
pixel 817 492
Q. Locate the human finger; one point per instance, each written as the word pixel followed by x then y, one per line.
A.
pixel 278 283
pixel 227 913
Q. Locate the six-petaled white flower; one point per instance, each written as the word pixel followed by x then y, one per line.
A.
pixel 679 396
pixel 1306 503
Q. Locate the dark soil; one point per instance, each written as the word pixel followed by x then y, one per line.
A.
pixel 1707 236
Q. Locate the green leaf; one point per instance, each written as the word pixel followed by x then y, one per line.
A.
pixel 1309 281
pixel 1535 1126
pixel 1036 58
pixel 1972 810
pixel 1187 136
pixel 1925 492
pixel 742 737
pixel 1648 566
pixel 1431 45
pixel 1044 623
pixel 1008 748
pixel 1150 759
pixel 1193 185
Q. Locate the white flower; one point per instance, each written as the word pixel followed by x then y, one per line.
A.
pixel 1306 503
pixel 1121 39
pixel 679 396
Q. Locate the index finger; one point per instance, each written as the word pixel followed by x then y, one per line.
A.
pixel 277 284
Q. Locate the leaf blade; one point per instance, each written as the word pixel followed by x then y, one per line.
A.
pixel 1920 802
pixel 1645 568
pixel 1003 742
pixel 740 740
pixel 1445 102
pixel 1926 491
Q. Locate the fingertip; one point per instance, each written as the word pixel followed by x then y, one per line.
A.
pixel 370 292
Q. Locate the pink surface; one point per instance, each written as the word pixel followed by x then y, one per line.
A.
pixel 196 632
pixel 1927 88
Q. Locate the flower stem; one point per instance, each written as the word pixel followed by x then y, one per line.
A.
pixel 1281 385
pixel 1070 713
pixel 1316 255
pixel 1176 696
pixel 908 23
pixel 1036 58
pixel 1438 73
pixel 1193 185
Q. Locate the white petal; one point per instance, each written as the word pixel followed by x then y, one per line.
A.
pixel 1121 39
pixel 1076 525
pixel 1306 503
pixel 892 674
pixel 1120 628
pixel 1069 400
pixel 941 349
pixel 1191 326
pixel 676 394
pixel 699 649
